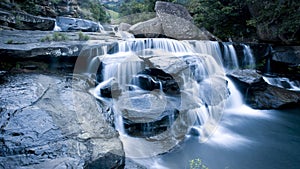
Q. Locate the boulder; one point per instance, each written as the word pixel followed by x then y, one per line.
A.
pixel 172 21
pixel 177 23
pixel 74 24
pixel 124 26
pixel 151 28
pixel 260 95
pixel 176 10
pixel 52 122
pixel 287 54
pixel 24 21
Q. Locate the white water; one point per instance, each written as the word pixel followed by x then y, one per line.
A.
pixel 230 60
pixel 249 60
pixel 56 28
pixel 283 83
pixel 203 88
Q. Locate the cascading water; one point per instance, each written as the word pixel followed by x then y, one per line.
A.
pixel 229 57
pixel 249 60
pixel 159 89
pixel 283 83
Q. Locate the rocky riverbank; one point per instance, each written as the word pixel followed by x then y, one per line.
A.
pixel 50 121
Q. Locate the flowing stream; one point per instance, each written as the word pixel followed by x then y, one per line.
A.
pixel 172 103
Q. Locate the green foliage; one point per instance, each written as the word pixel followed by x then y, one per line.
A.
pixel 197 164
pixel 46 39
pixel 284 14
pixel 29 6
pixel 225 19
pixel 55 1
pixel 57 36
pixel 96 9
pixel 129 7
pixel 83 37
pixel 10 41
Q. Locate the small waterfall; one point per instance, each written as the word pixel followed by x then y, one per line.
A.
pixel 211 48
pixel 230 60
pixel 249 60
pixel 56 28
pixel 283 83
pixel 135 45
pixel 101 28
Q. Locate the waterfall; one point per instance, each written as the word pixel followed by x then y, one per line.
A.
pixel 283 83
pixel 56 28
pixel 208 47
pixel 249 60
pixel 229 57
pixel 161 88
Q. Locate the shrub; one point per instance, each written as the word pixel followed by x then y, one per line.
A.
pixel 83 37
pixel 57 36
pixel 46 39
pixel 10 41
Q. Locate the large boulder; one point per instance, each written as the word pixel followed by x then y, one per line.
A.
pixel 150 28
pixel 172 9
pixel 124 26
pixel 75 24
pixel 287 54
pixel 260 95
pixel 177 23
pixel 24 21
pixel 173 21
pixel 52 122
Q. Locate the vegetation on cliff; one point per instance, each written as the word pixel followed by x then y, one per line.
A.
pixel 270 20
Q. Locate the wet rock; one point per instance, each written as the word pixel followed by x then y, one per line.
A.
pixel 50 122
pixel 287 54
pixel 75 24
pixel 260 95
pixel 151 79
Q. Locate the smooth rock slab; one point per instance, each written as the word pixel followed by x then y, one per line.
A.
pixel 59 126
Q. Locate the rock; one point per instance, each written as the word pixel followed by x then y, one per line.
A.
pixel 27 47
pixel 151 28
pixel 260 95
pixel 172 21
pixel 176 10
pixel 74 24
pixel 287 54
pixel 124 26
pixel 177 23
pixel 50 122
pixel 23 21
